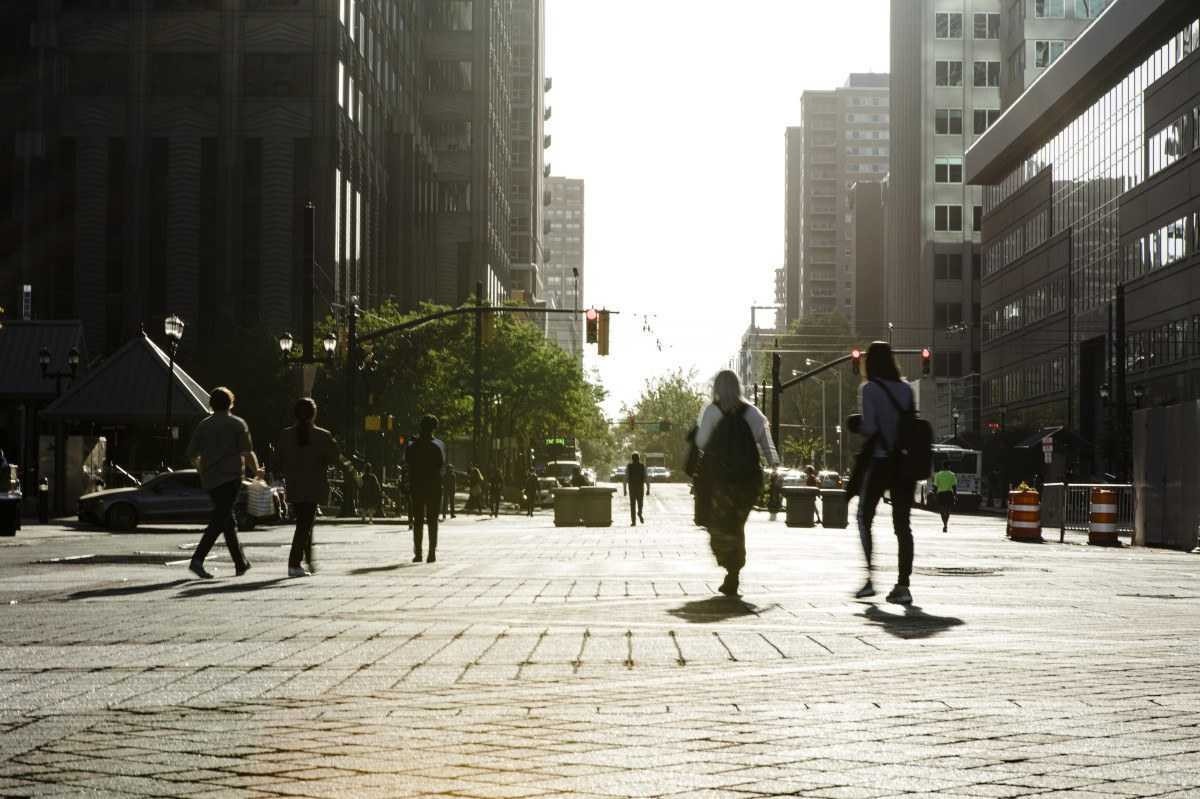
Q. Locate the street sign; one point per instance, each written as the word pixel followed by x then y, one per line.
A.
pixel 1048 449
pixel 372 423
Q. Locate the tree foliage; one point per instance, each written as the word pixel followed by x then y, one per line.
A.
pixel 676 399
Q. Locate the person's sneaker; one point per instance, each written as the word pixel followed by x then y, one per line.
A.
pixel 296 571
pixel 641 518
pixel 868 590
pixel 416 558
pixel 431 559
pixel 900 595
pixel 240 570
pixel 730 585
pixel 198 570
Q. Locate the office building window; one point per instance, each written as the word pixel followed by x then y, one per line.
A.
pixel 947 266
pixel 948 218
pixel 987 73
pixel 1088 9
pixel 987 26
pixel 948 26
pixel 948 73
pixel 948 121
pixel 1043 9
pixel 977 218
pixel 1167 145
pixel 1047 51
pixel 947 170
pixel 946 314
pixel 985 118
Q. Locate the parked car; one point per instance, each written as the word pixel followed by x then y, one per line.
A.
pixel 658 474
pixel 618 475
pixel 546 486
pixel 793 478
pixel 828 478
pixel 167 497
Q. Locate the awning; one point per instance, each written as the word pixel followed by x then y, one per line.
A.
pixel 21 341
pixel 130 388
pixel 1060 436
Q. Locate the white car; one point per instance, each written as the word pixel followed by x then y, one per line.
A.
pixel 658 474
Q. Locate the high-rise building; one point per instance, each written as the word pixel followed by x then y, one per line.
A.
pixel 564 280
pixel 842 140
pixel 1033 35
pixel 866 206
pixel 947 66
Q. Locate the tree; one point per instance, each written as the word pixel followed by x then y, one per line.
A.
pixel 675 399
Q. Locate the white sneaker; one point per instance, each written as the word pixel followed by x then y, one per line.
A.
pixel 296 571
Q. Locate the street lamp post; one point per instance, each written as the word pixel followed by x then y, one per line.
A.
pixel 1139 393
pixel 841 449
pixel 1105 395
pixel 891 327
pixel 173 329
pixel 955 415
pixel 60 456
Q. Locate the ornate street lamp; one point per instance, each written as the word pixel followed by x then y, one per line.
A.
pixel 173 330
pixel 1139 393
pixel 955 415
pixel 72 369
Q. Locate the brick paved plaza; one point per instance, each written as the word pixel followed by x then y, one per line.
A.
pixel 535 661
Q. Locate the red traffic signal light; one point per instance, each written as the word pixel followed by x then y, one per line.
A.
pixel 926 357
pixel 593 324
pixel 855 360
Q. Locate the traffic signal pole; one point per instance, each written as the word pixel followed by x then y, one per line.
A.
pixel 477 387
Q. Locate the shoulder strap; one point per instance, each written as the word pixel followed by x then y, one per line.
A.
pixel 892 397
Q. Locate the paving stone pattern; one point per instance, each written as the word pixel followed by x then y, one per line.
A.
pixel 537 661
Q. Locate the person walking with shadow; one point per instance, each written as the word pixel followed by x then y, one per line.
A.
pixel 636 486
pixel 531 492
pixel 884 397
pixel 448 489
pixel 945 483
pixel 305 453
pixel 731 434
pixel 371 495
pixel 425 461
pixel 474 490
pixel 222 450
pixel 495 490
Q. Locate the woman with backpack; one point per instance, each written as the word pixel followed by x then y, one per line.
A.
pixel 885 398
pixel 730 434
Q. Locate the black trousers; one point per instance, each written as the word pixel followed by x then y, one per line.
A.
pixel 880 477
pixel 222 521
pixel 636 501
pixel 302 539
pixel 728 507
pixel 945 502
pixel 426 502
pixel 448 500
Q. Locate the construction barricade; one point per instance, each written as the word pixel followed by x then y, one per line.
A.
pixel 1102 523
pixel 1024 515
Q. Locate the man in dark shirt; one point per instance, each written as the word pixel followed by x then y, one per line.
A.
pixel 425 460
pixel 636 486
pixel 531 492
pixel 449 486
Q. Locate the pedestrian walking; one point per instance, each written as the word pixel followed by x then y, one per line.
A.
pixel 531 492
pixel 945 483
pixel 425 461
pixel 222 450
pixel 448 489
pixel 371 495
pixel 884 397
pixel 304 454
pixel 495 490
pixel 475 490
pixel 577 478
pixel 811 481
pixel 636 486
pixel 731 434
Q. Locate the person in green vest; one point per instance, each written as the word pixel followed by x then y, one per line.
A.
pixel 945 483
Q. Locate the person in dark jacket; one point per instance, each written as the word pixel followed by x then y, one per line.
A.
pixel 448 488
pixel 636 486
pixel 425 461
pixel 495 489
pixel 304 455
pixel 531 491
pixel 370 498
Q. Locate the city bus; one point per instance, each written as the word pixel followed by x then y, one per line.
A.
pixel 967 464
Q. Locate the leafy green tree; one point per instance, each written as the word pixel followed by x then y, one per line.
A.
pixel 675 399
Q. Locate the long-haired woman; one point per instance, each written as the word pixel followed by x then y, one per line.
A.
pixel 305 453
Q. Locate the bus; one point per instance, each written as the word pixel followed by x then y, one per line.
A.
pixel 967 464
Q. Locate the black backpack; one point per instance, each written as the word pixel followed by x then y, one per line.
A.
pixel 912 450
pixel 731 456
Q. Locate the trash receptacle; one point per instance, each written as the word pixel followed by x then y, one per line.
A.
pixel 833 508
pixel 801 505
pixel 566 507
pixel 595 506
pixel 10 514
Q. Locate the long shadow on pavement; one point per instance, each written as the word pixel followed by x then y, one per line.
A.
pixel 913 623
pixel 127 590
pixel 714 609
pixel 230 588
pixel 389 568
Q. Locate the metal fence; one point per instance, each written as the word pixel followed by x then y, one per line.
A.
pixel 1078 506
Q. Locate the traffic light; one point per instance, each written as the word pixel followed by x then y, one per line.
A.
pixel 593 325
pixel 926 358
pixel 602 334
pixel 855 360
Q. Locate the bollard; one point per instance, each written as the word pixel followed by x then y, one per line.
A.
pixel 1024 515
pixel 1102 523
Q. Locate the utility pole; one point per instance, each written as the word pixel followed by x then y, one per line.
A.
pixel 1124 426
pixel 776 361
pixel 351 373
pixel 477 388
pixel 307 273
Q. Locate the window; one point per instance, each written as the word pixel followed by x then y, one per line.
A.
pixel 1167 145
pixel 948 73
pixel 1049 8
pixel 947 218
pixel 947 266
pixel 1196 128
pixel 450 15
pixel 977 218
pixel 987 73
pixel 985 118
pixel 448 76
pixel 1087 9
pixel 948 26
pixel 948 121
pixel 1047 51
pixel 278 75
pixel 946 314
pixel 185 74
pixel 947 170
pixel 987 26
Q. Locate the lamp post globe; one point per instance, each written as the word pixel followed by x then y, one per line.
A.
pixel 44 359
pixel 329 344
pixel 173 328
pixel 1105 392
pixel 286 342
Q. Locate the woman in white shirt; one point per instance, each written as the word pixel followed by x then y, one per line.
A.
pixel 731 433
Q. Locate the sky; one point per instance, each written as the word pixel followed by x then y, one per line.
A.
pixel 673 112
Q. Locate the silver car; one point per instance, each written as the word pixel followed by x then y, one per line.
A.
pixel 166 498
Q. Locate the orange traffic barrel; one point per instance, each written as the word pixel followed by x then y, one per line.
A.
pixel 1102 523
pixel 1024 515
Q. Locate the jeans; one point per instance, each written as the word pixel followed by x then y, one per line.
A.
pixel 636 500
pixel 222 521
pixel 426 502
pixel 728 507
pixel 880 478
pixel 302 539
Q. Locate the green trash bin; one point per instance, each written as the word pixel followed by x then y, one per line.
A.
pixel 595 506
pixel 833 508
pixel 566 507
pixel 801 506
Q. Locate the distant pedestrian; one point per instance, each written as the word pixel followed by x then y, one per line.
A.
pixel 945 482
pixel 495 490
pixel 475 490
pixel 425 461
pixel 448 489
pixel 883 396
pixel 531 492
pixel 371 495
pixel 636 486
pixel 304 455
pixel 350 483
pixel 811 481
pixel 577 478
pixel 222 449
pixel 731 433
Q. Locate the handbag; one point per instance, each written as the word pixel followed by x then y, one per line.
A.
pixel 260 499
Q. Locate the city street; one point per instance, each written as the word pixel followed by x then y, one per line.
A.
pixel 540 661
